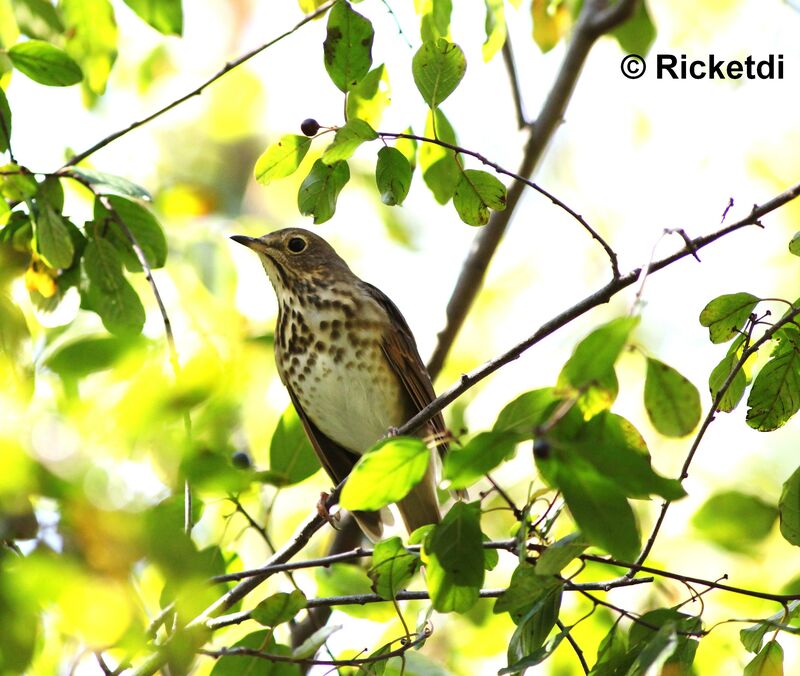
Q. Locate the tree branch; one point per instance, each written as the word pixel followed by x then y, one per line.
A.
pixel 595 18
pixel 597 298
pixel 79 157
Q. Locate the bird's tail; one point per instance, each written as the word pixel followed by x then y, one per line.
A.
pixel 421 506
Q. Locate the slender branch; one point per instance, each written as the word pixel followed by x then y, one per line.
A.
pixel 712 584
pixel 612 257
pixel 599 297
pixel 595 18
pixel 710 416
pixel 253 652
pixel 79 157
pixel 513 78
pixel 578 652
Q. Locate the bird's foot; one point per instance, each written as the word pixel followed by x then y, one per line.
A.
pixel 322 510
pixel 391 432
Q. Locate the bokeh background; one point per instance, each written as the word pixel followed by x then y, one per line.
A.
pixel 633 157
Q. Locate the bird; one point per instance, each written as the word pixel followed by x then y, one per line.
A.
pixel 349 361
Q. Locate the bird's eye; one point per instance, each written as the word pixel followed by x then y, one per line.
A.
pixel 296 244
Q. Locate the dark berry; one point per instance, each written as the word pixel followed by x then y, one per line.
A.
pixel 241 460
pixel 309 126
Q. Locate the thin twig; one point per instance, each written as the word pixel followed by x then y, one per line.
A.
pixel 513 79
pixel 578 652
pixel 599 297
pixel 612 256
pixel 79 157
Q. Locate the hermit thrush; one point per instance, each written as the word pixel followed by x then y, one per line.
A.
pixel 349 361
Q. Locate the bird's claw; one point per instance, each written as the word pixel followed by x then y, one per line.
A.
pixel 322 510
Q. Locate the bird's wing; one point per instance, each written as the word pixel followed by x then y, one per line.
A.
pixel 338 463
pixel 400 350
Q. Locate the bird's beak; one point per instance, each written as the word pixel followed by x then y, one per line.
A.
pixel 249 242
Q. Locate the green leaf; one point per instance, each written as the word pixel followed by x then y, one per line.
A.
pixel 735 521
pixel 650 646
pixel 613 657
pixel 527 412
pixel 262 641
pixel 454 559
pixel 392 175
pixel 553 559
pixel 91 39
pixel 789 509
pixel 438 67
pixel 347 139
pixel 537 656
pixel 392 567
pixel 279 608
pixel 347 46
pixel 435 18
pixel 83 356
pixel 526 590
pixel 726 315
pixel 794 244
pixel 13 327
pixel 107 292
pixel 16 187
pixel 476 193
pixel 320 190
pixel 534 627
pixel 440 171
pixel 281 158
pixel 753 636
pixel 5 122
pixel 166 16
pixel 144 227
pixel 733 395
pixel 291 455
pixel 108 184
pixel 485 451
pixel 614 447
pixel 637 34
pixel 313 643
pixel 38 19
pixel 768 662
pixel 671 401
pixel 775 395
pixel 45 63
pixel 495 26
pixel 368 99
pixel 53 241
pixel 589 372
pixel 386 473
pixel 596 503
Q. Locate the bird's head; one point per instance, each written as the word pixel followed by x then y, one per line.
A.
pixel 295 259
